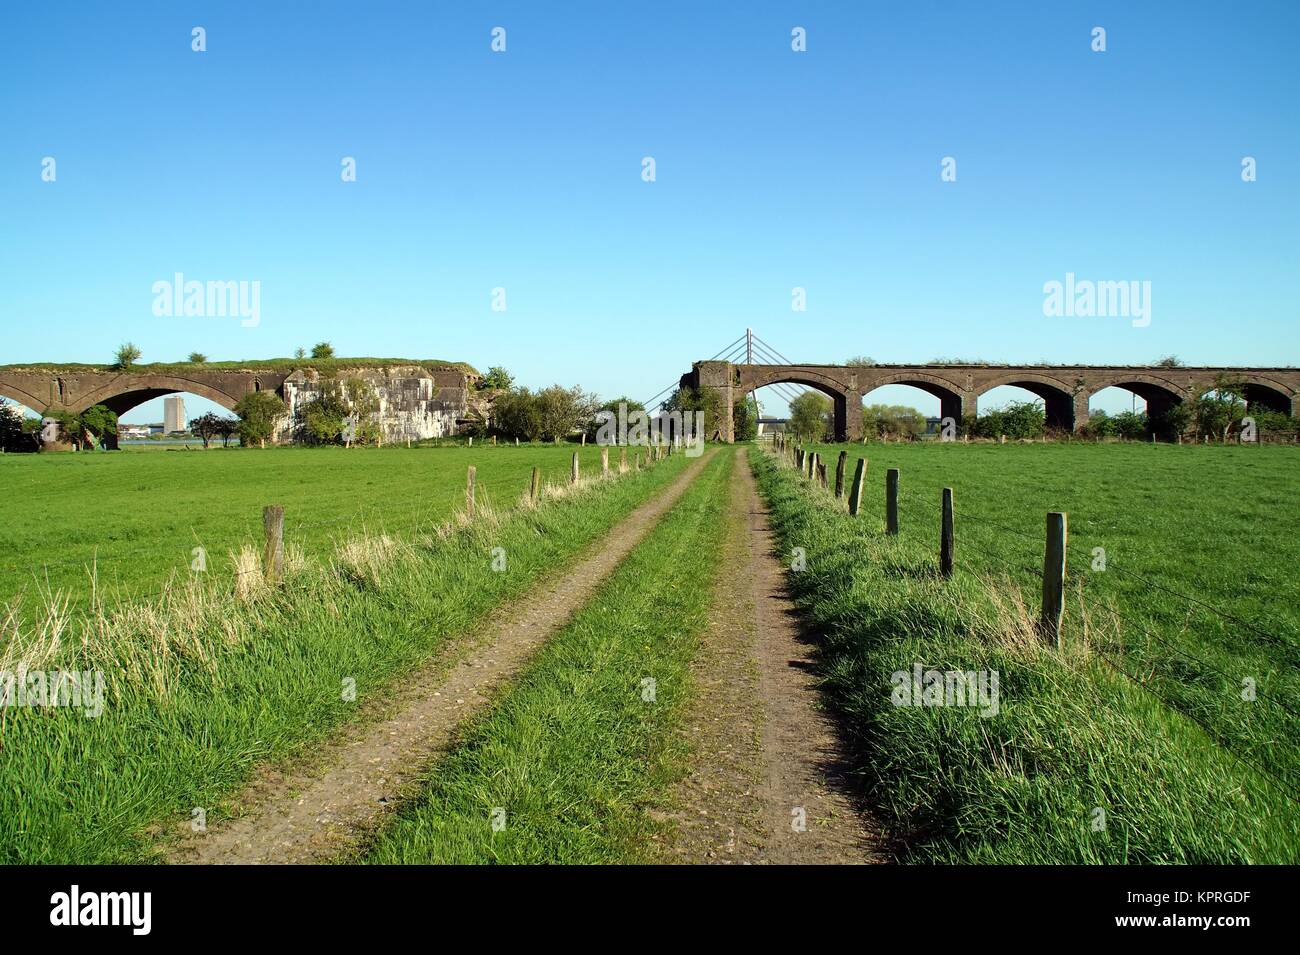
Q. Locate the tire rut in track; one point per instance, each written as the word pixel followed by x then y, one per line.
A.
pixel 359 777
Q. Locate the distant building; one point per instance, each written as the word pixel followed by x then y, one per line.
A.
pixel 174 413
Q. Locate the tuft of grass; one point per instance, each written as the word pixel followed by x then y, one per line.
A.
pixel 573 758
pixel 215 677
pixel 1079 765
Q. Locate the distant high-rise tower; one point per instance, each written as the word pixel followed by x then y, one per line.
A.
pixel 173 414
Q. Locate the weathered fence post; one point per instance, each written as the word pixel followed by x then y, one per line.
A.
pixel 573 473
pixel 535 488
pixel 604 462
pixel 945 535
pixel 622 459
pixel 516 442
pixel 1053 578
pixel 855 492
pixel 273 553
pixel 839 473
pixel 891 501
pixel 638 459
pixel 821 474
pixel 471 478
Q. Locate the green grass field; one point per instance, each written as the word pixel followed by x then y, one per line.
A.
pixel 1193 771
pixel 575 757
pixel 205 686
pixel 135 516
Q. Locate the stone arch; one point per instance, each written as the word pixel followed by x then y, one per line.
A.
pixel 954 400
pixel 125 393
pixel 1159 393
pixel 1058 396
pixel 1261 392
pixel 14 393
pixel 847 403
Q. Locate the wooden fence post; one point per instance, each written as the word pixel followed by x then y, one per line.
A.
pixel 273 553
pixel 471 478
pixel 604 462
pixel 622 459
pixel 821 474
pixel 839 473
pixel 638 459
pixel 573 473
pixel 1054 578
pixel 891 501
pixel 855 493
pixel 945 535
pixel 535 488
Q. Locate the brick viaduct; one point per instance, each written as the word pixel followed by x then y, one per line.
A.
pixel 1065 389
pixel 75 390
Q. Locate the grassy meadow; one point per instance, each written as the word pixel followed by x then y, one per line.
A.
pixel 221 676
pixel 135 516
pixel 1142 716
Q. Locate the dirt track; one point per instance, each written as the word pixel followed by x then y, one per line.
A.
pixel 313 815
pixel 767 783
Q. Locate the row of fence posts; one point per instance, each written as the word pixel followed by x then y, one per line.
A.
pixel 273 514
pixel 809 464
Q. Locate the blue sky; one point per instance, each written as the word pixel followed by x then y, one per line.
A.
pixel 775 169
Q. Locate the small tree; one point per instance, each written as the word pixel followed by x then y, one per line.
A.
pixel 1168 361
pixel 300 353
pixel 1220 410
pixel 810 416
pixel 13 435
pixel 324 418
pixel 518 414
pixel 497 378
pixel 744 418
pixel 322 350
pixel 198 358
pixel 126 356
pixel 564 411
pixel 206 426
pixel 258 413
pixel 228 428
pixel 98 422
pixel 860 361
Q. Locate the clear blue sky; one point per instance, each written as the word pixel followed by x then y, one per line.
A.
pixel 775 169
